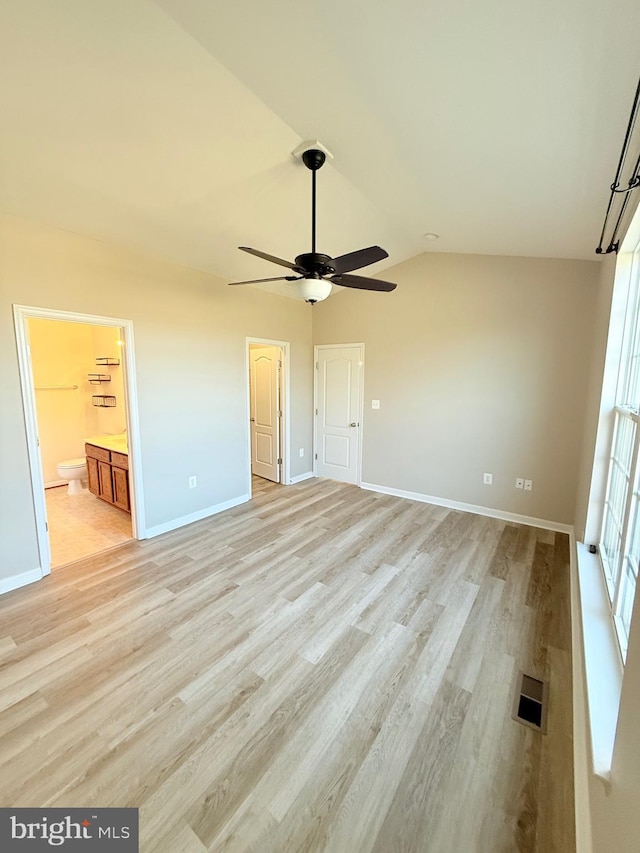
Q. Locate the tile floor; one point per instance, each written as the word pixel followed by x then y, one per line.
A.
pixel 81 525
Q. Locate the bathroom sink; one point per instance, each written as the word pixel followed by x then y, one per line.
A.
pixel 117 442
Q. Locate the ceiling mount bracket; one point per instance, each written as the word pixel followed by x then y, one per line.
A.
pixel 311 145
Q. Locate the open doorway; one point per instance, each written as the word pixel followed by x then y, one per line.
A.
pixel 267 363
pixel 77 379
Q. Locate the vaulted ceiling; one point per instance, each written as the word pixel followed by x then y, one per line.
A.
pixel 169 125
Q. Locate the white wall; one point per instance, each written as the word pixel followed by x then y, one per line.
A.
pixel 481 364
pixel 190 343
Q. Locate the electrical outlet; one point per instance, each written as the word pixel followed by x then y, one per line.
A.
pixel 520 483
pixel 301 452
pixel 528 485
pixel 193 482
pixel 488 479
pixel 375 404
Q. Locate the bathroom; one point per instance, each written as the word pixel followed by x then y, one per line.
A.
pixel 77 371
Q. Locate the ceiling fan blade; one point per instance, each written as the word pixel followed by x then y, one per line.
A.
pixel 260 280
pixel 271 258
pixel 359 259
pixel 362 283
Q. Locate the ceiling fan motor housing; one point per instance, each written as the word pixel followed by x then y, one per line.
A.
pixel 314 265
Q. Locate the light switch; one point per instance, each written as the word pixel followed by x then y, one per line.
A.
pixel 375 404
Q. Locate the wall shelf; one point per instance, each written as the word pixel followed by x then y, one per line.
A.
pixel 103 400
pixel 104 360
pixel 97 378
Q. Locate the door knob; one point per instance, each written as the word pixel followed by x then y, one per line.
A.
pixel 353 424
pixel 253 420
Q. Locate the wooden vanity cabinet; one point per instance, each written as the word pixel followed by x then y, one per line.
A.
pixel 105 482
pixel 120 480
pixel 92 475
pixel 108 475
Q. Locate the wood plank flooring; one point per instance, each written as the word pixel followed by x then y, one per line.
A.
pixel 321 669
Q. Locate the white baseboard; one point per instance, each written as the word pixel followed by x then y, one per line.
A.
pixel 477 510
pixel 53 484
pixel 300 477
pixel 16 581
pixel 175 523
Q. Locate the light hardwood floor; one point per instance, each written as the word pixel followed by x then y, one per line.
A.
pixel 321 669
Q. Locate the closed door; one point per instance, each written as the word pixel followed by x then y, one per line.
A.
pixel 339 402
pixel 264 365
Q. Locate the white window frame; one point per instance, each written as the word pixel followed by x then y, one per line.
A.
pixel 620 527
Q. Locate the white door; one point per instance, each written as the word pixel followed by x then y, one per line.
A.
pixel 264 367
pixel 339 403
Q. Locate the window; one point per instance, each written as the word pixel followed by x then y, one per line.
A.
pixel 620 538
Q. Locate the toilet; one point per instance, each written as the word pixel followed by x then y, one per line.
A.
pixel 75 471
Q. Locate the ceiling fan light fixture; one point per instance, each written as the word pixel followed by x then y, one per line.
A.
pixel 314 289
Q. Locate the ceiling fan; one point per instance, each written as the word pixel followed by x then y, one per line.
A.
pixel 319 272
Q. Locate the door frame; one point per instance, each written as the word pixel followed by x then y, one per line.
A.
pixel 21 314
pixel 285 420
pixel 316 351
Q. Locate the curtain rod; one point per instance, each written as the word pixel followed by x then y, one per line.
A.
pixel 56 387
pixel 616 190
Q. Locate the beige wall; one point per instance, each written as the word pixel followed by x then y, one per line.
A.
pixel 480 364
pixel 190 348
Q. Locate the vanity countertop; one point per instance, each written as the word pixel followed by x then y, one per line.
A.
pixel 116 442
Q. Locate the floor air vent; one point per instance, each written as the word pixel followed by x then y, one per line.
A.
pixel 530 704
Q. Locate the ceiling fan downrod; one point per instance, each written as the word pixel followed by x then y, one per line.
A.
pixel 313 159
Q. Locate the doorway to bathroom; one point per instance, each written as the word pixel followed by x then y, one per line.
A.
pixel 268 393
pixel 78 389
